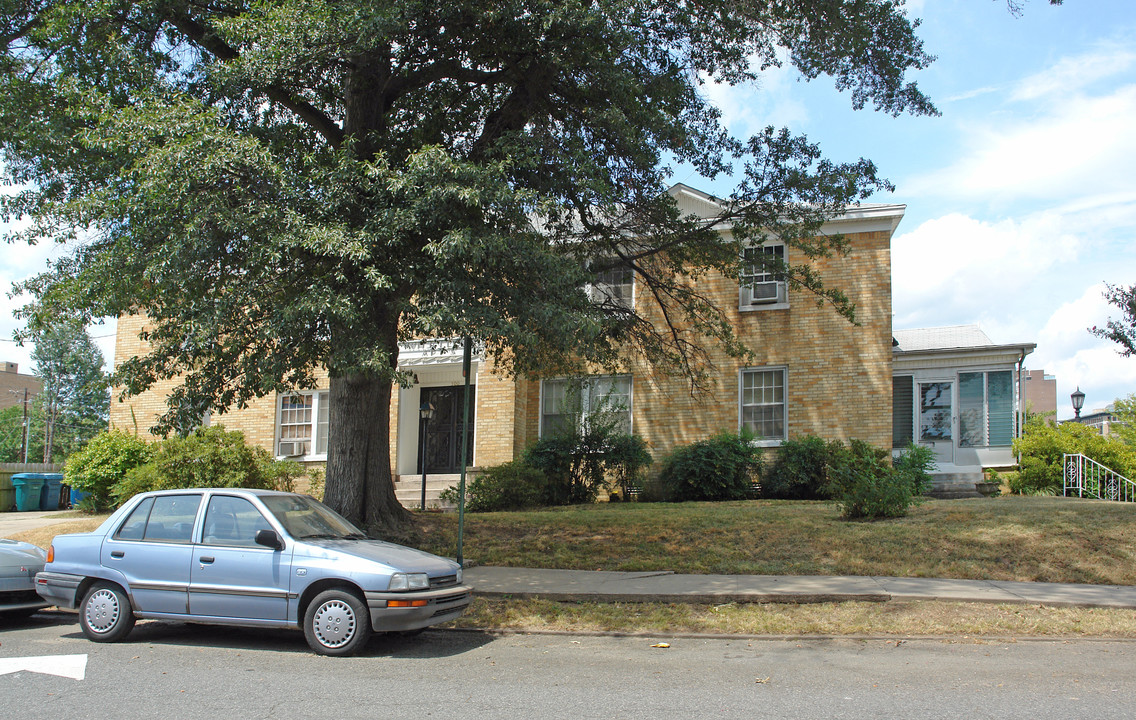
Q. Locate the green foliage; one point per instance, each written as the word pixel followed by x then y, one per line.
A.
pixel 207 457
pixel 316 478
pixel 1042 447
pixel 916 463
pixel 284 186
pixel 580 463
pixel 627 460
pixel 865 484
pixel 800 469
pixel 1124 416
pixel 724 467
pixel 104 463
pixel 1122 331
pixel 509 486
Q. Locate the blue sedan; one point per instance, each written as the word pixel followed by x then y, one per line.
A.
pixel 252 558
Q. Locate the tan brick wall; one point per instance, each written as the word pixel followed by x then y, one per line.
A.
pixel 838 374
pixel 141 412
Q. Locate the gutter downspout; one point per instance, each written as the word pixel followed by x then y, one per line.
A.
pixel 1021 403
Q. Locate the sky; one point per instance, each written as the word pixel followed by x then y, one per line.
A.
pixel 1021 196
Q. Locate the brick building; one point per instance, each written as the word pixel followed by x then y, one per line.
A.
pixel 15 386
pixel 814 373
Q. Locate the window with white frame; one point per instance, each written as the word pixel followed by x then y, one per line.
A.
pixel 614 285
pixel 302 422
pixel 986 408
pixel 569 404
pixel 763 404
pixel 760 285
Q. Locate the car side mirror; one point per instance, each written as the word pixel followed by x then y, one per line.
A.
pixel 269 538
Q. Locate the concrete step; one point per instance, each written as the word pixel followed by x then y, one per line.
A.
pixel 408 490
pixel 948 486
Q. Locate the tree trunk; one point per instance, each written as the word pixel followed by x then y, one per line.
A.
pixel 359 482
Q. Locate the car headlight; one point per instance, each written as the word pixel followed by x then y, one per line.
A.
pixel 459 576
pixel 408 581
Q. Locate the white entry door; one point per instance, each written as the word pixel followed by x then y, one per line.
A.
pixel 936 419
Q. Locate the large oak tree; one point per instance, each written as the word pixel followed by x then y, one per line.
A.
pixel 282 186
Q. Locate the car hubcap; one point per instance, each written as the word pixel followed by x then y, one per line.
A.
pixel 102 611
pixel 334 623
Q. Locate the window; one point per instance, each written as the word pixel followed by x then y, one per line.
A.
pixel 760 285
pixel 986 409
pixel 232 521
pixel 613 286
pixel 164 519
pixel 902 411
pixel 763 404
pixel 567 404
pixel 302 424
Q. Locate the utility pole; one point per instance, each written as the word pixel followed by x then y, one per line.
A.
pixel 25 426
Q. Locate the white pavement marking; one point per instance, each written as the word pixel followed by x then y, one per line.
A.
pixel 70 666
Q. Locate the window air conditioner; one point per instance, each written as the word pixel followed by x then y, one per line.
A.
pixel 764 293
pixel 291 449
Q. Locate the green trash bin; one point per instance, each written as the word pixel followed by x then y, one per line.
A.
pixel 29 489
pixel 52 489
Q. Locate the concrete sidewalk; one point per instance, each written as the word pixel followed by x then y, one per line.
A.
pixel 606 586
pixel 603 586
pixel 17 522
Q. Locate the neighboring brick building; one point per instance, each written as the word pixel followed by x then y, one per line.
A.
pixel 814 373
pixel 15 387
pixel 1040 394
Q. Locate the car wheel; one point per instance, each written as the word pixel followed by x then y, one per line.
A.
pixel 337 623
pixel 106 615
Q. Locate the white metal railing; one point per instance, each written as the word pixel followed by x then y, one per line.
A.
pixel 1085 477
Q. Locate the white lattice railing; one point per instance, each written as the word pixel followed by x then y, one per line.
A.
pixel 1085 477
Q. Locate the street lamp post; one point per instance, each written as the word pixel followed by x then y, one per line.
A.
pixel 426 413
pixel 1078 399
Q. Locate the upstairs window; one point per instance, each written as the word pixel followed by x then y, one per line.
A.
pixel 613 286
pixel 760 285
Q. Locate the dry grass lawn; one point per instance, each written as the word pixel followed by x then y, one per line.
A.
pixel 1008 538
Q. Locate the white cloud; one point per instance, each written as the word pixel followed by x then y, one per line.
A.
pixel 1080 359
pixel 1070 75
pixel 957 270
pixel 1074 149
pixel 770 100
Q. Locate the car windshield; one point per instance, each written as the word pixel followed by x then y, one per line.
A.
pixel 304 518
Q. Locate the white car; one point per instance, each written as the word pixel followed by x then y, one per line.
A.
pixel 247 557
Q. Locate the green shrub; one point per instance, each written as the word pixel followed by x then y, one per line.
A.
pixel 207 457
pixel 800 469
pixel 628 460
pixel 916 463
pixel 103 464
pixel 865 484
pixel 1042 447
pixel 720 468
pixel 578 465
pixel 509 486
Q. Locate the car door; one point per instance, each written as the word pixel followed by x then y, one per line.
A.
pixel 231 576
pixel 152 550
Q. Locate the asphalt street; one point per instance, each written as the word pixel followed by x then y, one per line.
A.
pixel 170 670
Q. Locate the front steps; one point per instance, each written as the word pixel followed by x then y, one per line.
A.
pixel 408 490
pixel 947 486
